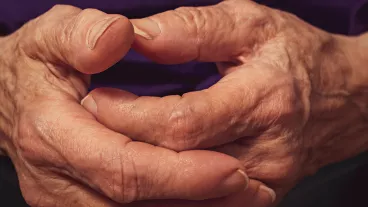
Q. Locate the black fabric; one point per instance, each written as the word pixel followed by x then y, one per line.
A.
pixel 10 195
pixel 340 185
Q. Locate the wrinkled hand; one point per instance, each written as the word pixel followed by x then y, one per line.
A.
pixel 287 105
pixel 62 155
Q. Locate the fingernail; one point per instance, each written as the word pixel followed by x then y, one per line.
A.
pixel 89 103
pixel 235 180
pixel 269 191
pixel 146 28
pixel 245 177
pixel 97 30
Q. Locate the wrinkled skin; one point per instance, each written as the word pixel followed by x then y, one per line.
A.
pixel 292 100
pixel 62 155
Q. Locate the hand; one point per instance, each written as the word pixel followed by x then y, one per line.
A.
pixel 291 99
pixel 62 155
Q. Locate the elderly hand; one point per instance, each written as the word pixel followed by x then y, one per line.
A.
pixel 62 155
pixel 292 100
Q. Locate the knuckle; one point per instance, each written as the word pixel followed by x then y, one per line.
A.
pixel 194 19
pixel 61 8
pixel 285 102
pixel 89 12
pixel 123 184
pixel 73 24
pixel 45 28
pixel 199 21
pixel 58 13
pixel 255 21
pixel 264 23
pixel 32 134
pixel 133 180
pixel 185 128
pixel 24 139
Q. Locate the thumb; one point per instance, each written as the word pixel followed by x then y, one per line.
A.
pixel 88 40
pixel 218 33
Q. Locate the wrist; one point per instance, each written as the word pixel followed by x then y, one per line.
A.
pixel 356 52
pixel 341 110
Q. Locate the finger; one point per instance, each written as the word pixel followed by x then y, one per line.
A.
pixel 219 33
pixel 241 104
pixel 203 119
pixel 126 171
pixel 257 195
pixel 88 40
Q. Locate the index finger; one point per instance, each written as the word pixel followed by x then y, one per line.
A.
pixel 227 32
pixel 231 109
pixel 127 171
